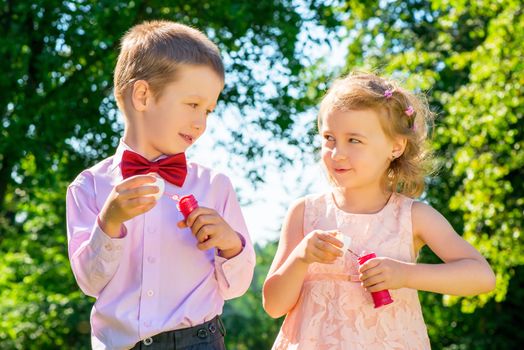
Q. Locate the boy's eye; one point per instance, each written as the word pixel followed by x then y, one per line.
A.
pixel 329 138
pixel 193 105
pixel 352 140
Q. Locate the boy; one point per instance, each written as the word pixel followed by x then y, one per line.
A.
pixel 160 281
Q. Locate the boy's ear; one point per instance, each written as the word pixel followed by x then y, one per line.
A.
pixel 140 95
pixel 399 145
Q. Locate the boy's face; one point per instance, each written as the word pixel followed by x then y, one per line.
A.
pixel 177 118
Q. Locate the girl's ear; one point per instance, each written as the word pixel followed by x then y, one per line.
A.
pixel 399 145
pixel 140 95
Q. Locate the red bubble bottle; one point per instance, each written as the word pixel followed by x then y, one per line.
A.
pixel 187 204
pixel 382 297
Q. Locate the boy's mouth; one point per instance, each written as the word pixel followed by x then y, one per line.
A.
pixel 188 138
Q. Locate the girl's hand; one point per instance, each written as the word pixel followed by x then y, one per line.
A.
pixel 211 230
pixel 383 273
pixel 319 246
pixel 129 198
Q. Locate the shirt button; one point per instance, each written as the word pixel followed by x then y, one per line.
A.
pixel 151 259
pixel 150 293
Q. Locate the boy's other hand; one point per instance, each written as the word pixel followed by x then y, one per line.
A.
pixel 211 230
pixel 129 198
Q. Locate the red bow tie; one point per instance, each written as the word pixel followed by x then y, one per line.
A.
pixel 172 168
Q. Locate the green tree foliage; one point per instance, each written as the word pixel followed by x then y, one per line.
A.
pixel 58 117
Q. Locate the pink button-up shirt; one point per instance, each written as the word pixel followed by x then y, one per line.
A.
pixel 152 279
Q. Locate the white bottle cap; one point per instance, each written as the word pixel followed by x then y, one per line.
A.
pixel 158 183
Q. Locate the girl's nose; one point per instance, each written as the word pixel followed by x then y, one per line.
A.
pixel 337 154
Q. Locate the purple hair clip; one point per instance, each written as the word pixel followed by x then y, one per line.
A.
pixel 410 111
pixel 388 93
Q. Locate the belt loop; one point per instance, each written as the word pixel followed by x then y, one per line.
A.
pixel 221 326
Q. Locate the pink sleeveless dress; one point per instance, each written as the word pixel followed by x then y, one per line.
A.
pixel 333 310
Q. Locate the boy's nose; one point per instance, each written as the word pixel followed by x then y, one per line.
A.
pixel 199 123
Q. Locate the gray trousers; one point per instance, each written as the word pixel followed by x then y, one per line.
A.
pixel 207 336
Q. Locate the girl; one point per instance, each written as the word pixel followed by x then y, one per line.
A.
pixel 373 149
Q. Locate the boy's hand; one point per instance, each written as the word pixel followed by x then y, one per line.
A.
pixel 319 246
pixel 211 230
pixel 127 200
pixel 383 273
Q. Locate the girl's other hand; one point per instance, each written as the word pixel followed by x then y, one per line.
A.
pixel 320 246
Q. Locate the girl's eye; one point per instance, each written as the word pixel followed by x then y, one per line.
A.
pixel 329 138
pixel 354 140
pixel 193 105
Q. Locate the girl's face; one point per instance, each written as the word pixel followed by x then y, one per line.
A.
pixel 355 150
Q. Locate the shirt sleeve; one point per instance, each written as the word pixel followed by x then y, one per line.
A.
pixel 94 256
pixel 234 275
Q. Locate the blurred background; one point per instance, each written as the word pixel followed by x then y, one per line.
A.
pixel 58 117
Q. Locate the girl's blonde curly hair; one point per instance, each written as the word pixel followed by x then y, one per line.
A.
pixel 402 113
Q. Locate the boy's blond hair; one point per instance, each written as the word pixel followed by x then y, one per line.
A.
pixel 402 113
pixel 152 51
